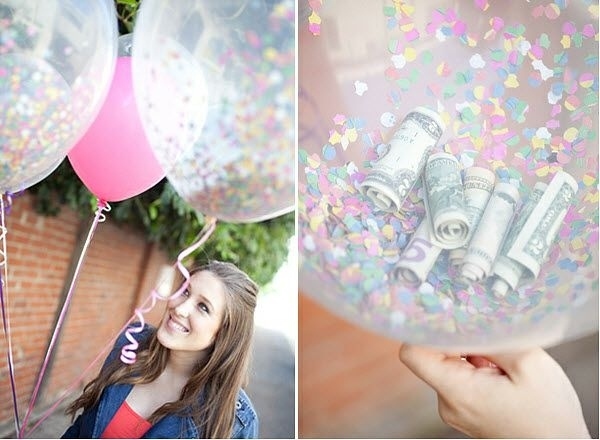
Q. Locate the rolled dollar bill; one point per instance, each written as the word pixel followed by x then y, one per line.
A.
pixel 508 272
pixel 418 258
pixel 490 233
pixel 533 241
pixel 445 201
pixel 478 186
pixel 395 173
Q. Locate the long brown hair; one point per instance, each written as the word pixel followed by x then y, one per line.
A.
pixel 218 380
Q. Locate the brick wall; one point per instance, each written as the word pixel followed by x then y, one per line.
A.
pixel 119 270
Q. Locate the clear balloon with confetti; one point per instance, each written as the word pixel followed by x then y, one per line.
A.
pixel 56 63
pixel 516 90
pixel 222 126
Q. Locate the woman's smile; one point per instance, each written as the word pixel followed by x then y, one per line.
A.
pixel 196 314
pixel 176 326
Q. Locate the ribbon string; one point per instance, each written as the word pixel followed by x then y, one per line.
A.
pixel 128 352
pixel 5 306
pixel 152 298
pixel 78 380
pixel 99 217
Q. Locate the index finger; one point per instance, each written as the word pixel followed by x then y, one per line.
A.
pixel 437 369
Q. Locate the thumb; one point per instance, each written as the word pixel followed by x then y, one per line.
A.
pixel 516 364
pixel 481 362
pixel 433 367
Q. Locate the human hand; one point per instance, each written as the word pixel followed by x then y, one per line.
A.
pixel 518 395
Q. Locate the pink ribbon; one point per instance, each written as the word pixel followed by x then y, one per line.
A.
pixel 128 352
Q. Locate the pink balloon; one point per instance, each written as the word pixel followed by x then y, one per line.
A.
pixel 114 159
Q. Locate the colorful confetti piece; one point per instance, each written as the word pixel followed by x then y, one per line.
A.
pixel 314 20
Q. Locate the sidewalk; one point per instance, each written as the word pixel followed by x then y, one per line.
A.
pixel 272 384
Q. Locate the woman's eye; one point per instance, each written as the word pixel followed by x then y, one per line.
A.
pixel 203 307
pixel 186 293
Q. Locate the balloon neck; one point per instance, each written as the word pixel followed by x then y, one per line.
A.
pixel 102 203
pixel 125 45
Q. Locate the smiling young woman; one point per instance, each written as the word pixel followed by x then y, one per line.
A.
pixel 188 377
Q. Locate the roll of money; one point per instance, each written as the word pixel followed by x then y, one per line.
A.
pixel 418 258
pixel 395 173
pixel 478 186
pixel 445 201
pixel 490 233
pixel 532 245
pixel 508 272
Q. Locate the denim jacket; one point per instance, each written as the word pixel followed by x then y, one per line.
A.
pixel 93 421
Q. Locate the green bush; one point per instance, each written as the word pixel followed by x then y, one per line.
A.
pixel 165 218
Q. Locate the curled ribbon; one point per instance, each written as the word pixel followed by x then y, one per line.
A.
pixel 101 208
pixel 128 352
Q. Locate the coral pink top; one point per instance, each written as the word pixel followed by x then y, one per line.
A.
pixel 126 423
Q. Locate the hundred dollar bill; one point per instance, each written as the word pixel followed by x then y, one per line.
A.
pixel 395 173
pixel 445 201
pixel 533 242
pixel 418 257
pixel 478 185
pixel 490 233
pixel 508 272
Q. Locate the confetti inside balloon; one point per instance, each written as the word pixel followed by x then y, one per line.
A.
pixel 518 91
pixel 55 69
pixel 224 130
